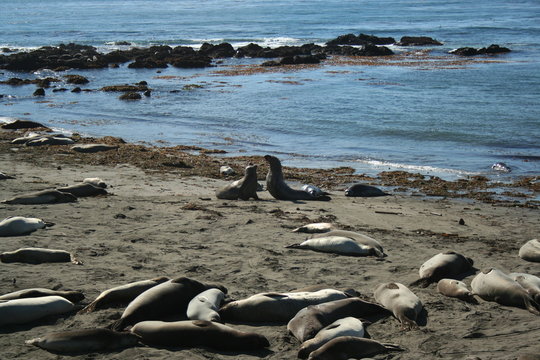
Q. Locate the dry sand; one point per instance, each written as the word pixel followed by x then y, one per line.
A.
pixel 162 224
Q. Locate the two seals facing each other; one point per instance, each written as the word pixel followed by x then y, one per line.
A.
pixel 244 188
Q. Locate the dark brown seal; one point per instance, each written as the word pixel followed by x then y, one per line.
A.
pixel 244 189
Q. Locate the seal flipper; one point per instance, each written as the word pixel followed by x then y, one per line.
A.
pixel 531 305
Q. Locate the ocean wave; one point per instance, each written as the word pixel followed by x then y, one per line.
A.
pixel 424 169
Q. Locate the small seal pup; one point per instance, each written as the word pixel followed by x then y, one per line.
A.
pixel 346 347
pixel 348 326
pixel 315 228
pixel 36 256
pixel 276 307
pixel 361 190
pixel 494 285
pixel 168 299
pixel 359 238
pixel 205 306
pixel 42 197
pixel 313 190
pixel 198 333
pixel 73 296
pixel 310 320
pixel 244 188
pixel 93 148
pixel 18 225
pixel 529 282
pixel 21 311
pixel 449 264
pixel 401 301
pixel 457 289
pixel 530 251
pixel 279 189
pixel 84 341
pixel 83 190
pixel 340 245
pixel 121 295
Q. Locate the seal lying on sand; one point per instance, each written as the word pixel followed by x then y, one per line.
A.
pixel 457 289
pixel 362 239
pixel 42 197
pixel 198 333
pixel 18 225
pixel 36 256
pixel 21 311
pixel 5 177
pixel 443 265
pixel 401 301
pixel 73 296
pixel 529 282
pixel 279 189
pixel 315 228
pixel 494 285
pixel 340 245
pixel 84 341
pixel 205 306
pixel 22 124
pixel 244 188
pixel 95 181
pixel 93 148
pixel 361 190
pixel 346 347
pixel 83 190
pixel 530 251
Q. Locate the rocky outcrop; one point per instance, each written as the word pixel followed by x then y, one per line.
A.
pixel 362 39
pixel 490 50
pixel 418 41
pixel 294 60
pixel 365 50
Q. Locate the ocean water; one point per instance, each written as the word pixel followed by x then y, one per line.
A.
pixel 450 121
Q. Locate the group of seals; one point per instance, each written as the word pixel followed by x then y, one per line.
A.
pixel 89 187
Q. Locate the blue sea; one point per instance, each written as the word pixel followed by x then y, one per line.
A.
pixel 450 121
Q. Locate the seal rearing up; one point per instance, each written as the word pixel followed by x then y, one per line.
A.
pixel 279 189
pixel 244 188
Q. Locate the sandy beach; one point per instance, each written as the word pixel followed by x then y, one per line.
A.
pixel 169 223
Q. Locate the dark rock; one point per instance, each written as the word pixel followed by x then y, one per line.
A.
pixel 372 39
pixel 469 51
pixel 76 90
pixel 464 51
pixel 124 88
pixel 417 41
pixel 22 124
pixel 60 90
pixel 365 50
pixel 39 92
pixel 76 79
pixel 495 49
pixel 148 63
pixel 192 62
pixel 147 93
pixel 251 50
pixel 130 96
pixel 223 50
pixel 362 39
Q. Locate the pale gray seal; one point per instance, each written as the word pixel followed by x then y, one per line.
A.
pixel 21 311
pixel 205 306
pixel 348 326
pixel 276 307
pixel 313 190
pixel 244 188
pixel 401 301
pixel 166 300
pixel 340 245
pixel 73 296
pixel 83 190
pixel 494 285
pixel 198 333
pixel 121 295
pixel 279 189
pixel 361 190
pixel 93 148
pixel 36 256
pixel 310 320
pixel 457 289
pixel 529 282
pixel 18 225
pixel 362 239
pixel 84 341
pixel 530 251
pixel 315 228
pixel 346 347
pixel 42 197
pixel 443 265
pixel 95 181
pixel 226 170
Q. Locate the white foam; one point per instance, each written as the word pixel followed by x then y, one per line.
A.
pixel 426 169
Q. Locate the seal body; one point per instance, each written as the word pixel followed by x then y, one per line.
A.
pixel 348 326
pixel 198 333
pixel 18 225
pixel 83 341
pixel 529 282
pixel 313 190
pixel 21 311
pixel 455 288
pixel 83 190
pixel 501 167
pixel 315 228
pixel 244 188
pixel 73 296
pixel 205 306
pixel 168 299
pixel 494 285
pixel 335 244
pixel 22 124
pixel 95 181
pixel 276 307
pixel 346 347
pixel 5 177
pixel 530 251
pixel 93 148
pixel 401 301
pixel 361 239
pixel 361 190
pixel 443 265
pixel 122 295
pixel 50 140
pixel 279 189
pixel 42 197
pixel 310 320
pixel 35 256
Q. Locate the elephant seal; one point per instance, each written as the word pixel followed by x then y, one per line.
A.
pixel 205 306
pixel 41 197
pixel 315 228
pixel 346 347
pixel 501 167
pixel 5 177
pixel 95 181
pixel 362 239
pixel 83 190
pixel 18 225
pixel 335 244
pixel 276 307
pixel 198 333
pixel 530 251
pixel 93 148
pixel 123 294
pixel 310 320
pixel 73 296
pixel 23 124
pixel 457 289
pixel 313 190
pixel 361 190
pixel 443 265
pixel 348 326
pixel 529 282
pixel 50 140
pixel 401 301
pixel 36 256
pixel 21 311
pixel 279 189
pixel 226 170
pixel 84 341
pixel 244 188
pixel 168 299
pixel 494 285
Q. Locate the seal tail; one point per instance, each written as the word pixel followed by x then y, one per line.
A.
pixel 118 325
pixel 532 306
pixel 89 308
pixel 423 283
